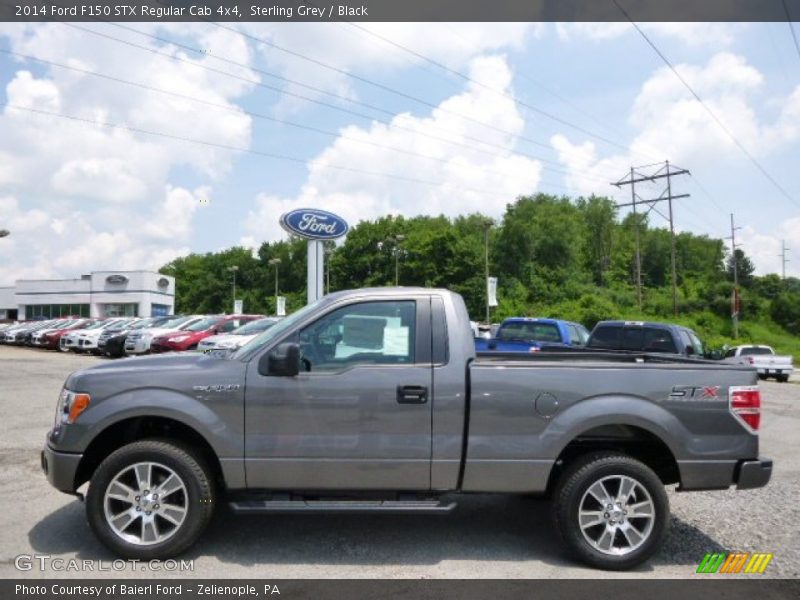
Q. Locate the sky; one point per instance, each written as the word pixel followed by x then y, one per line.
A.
pixel 125 146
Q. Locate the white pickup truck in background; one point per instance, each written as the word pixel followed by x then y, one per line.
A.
pixel 764 359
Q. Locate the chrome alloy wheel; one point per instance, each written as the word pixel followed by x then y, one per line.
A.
pixel 616 515
pixel 146 503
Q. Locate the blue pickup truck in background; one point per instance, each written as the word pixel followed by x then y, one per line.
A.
pixel 527 334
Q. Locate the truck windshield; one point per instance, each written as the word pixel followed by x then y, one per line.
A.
pixel 533 331
pixel 274 332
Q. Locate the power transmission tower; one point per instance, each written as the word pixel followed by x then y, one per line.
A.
pixel 784 260
pixel 735 263
pixel 651 174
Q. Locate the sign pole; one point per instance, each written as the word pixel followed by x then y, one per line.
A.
pixel 316 270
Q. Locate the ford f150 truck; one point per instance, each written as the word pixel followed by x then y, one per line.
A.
pixel 375 400
pixel 764 360
pixel 529 334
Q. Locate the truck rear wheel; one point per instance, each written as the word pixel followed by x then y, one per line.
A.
pixel 611 510
pixel 150 499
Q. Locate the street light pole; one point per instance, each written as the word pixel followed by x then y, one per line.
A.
pixel 234 268
pixel 275 262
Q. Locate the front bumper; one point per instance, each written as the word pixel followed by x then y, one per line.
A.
pixel 753 473
pixel 60 468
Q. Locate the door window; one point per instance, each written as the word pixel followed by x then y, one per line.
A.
pixel 366 333
pixel 577 335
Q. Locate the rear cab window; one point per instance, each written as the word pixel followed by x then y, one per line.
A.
pixel 529 331
pixel 605 336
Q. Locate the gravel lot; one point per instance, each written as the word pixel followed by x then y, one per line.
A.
pixel 486 537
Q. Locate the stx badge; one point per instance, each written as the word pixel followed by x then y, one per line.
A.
pixel 692 392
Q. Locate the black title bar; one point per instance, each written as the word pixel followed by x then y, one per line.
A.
pixel 401 10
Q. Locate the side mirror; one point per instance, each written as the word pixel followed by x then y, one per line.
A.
pixel 283 361
pixel 689 350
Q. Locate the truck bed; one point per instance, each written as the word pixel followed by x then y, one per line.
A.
pixel 524 408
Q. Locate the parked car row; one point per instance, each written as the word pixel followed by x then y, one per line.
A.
pixel 130 336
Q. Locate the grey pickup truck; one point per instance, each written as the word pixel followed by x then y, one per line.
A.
pixel 375 400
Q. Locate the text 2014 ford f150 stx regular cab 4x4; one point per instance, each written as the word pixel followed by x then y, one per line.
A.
pixel 374 400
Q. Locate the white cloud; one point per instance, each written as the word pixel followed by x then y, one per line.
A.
pixel 64 243
pixel 466 180
pixel 764 249
pixel 691 34
pixel 672 124
pixel 351 49
pixel 81 196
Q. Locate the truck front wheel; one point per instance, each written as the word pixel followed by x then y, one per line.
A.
pixel 150 499
pixel 611 510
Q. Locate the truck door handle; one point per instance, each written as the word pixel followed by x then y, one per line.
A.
pixel 412 394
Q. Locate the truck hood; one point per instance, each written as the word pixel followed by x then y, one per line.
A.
pixel 179 372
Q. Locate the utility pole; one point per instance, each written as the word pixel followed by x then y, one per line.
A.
pixel 735 262
pixel 486 268
pixel 784 260
pixel 649 173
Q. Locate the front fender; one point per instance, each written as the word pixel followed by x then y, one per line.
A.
pixel 218 419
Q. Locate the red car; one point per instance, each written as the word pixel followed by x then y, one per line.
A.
pixel 187 339
pixel 51 338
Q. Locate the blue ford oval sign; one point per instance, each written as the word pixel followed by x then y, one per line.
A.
pixel 314 224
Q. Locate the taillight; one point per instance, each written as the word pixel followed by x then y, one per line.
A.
pixel 745 405
pixel 534 349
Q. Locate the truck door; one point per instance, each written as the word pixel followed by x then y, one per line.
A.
pixel 358 416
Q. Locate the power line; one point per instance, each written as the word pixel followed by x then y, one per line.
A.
pixel 548 164
pixel 237 110
pixel 791 27
pixel 711 113
pixel 230 148
pixel 469 79
pixel 377 84
pixel 226 107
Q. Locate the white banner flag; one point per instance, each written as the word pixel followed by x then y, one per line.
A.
pixel 491 287
pixel 281 308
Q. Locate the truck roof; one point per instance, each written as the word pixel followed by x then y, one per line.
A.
pixel 641 324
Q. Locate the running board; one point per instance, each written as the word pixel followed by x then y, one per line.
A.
pixel 357 506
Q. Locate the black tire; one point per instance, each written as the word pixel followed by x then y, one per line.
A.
pixel 200 497
pixel 575 482
pixel 762 377
pixel 782 378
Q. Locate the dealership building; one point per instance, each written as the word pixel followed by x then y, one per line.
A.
pixel 98 294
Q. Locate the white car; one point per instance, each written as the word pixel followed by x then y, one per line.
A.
pixel 88 339
pixel 764 359
pixel 85 340
pixel 138 341
pixel 238 337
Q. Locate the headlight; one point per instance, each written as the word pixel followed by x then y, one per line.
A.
pixel 70 406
